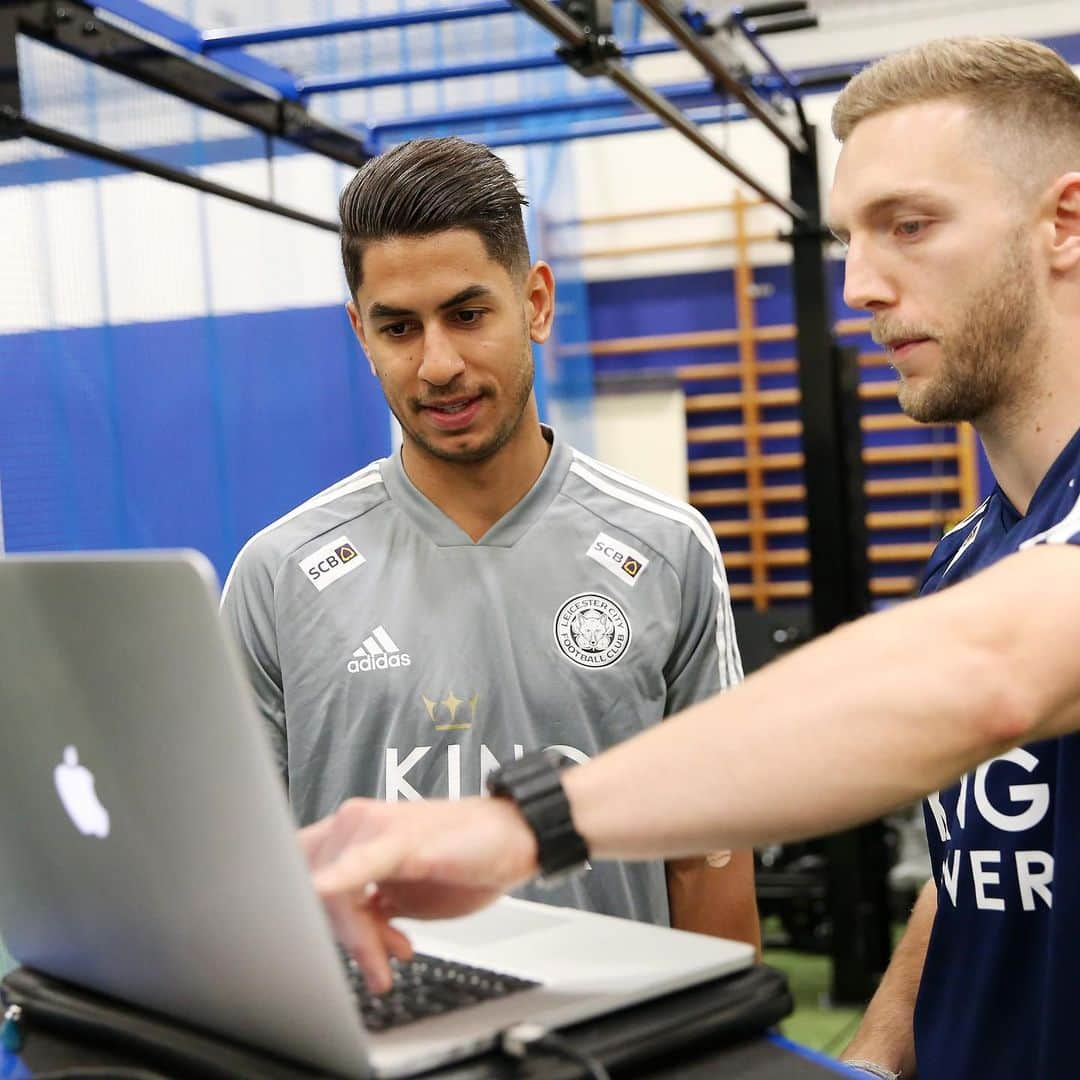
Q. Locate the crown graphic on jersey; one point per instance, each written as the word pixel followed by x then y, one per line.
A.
pixel 448 714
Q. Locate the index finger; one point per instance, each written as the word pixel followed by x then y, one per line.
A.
pixel 358 867
pixel 313 838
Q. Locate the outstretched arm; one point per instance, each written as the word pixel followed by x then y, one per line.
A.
pixel 859 722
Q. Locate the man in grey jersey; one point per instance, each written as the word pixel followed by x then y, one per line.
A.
pixel 488 590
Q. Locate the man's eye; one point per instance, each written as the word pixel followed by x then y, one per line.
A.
pixel 910 228
pixel 468 316
pixel 398 329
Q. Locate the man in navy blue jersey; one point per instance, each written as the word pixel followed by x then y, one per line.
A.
pixel 957 196
pixel 964 250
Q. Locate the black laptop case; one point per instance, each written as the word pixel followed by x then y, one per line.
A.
pixel 74 1027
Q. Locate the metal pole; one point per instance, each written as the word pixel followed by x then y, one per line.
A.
pixel 213 40
pixel 10 95
pixel 678 93
pixel 839 575
pixel 65 141
pixel 554 19
pixel 620 125
pixel 702 51
pixel 673 117
pixel 335 83
pixel 832 600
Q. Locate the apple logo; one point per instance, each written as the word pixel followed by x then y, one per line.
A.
pixel 75 786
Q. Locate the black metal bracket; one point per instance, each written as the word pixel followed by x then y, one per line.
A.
pixel 699 21
pixel 812 229
pixel 10 95
pixel 592 56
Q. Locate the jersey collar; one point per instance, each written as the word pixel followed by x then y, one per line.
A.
pixel 506 532
pixel 1059 475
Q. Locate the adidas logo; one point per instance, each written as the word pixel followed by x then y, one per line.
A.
pixel 378 653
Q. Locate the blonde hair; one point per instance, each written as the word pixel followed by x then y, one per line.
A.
pixel 1022 91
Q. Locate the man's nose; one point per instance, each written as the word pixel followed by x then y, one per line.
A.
pixel 441 362
pixel 867 284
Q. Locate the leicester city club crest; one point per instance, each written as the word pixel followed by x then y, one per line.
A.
pixel 592 630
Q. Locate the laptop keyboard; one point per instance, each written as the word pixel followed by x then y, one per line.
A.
pixel 427 986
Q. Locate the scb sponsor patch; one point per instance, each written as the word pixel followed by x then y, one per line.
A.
pixel 621 559
pixel 331 562
pixel 592 630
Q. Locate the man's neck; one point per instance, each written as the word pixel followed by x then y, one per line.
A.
pixel 1022 440
pixel 476 494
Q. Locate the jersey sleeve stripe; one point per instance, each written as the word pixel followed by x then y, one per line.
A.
pixel 969 519
pixel 646 498
pixel 366 477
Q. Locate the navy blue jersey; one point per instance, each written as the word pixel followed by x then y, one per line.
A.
pixel 1001 984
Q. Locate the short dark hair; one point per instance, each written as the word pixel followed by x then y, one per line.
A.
pixel 427 186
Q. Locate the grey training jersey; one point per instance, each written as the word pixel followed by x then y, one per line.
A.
pixel 392 656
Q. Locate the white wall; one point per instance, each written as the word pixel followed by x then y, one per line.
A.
pixel 644 434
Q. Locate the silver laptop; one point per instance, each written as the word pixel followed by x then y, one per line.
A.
pixel 147 849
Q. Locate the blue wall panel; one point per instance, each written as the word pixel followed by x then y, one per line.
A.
pixel 192 432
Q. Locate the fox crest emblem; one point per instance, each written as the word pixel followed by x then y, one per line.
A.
pixel 592 630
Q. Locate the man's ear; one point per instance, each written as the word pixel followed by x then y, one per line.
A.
pixel 358 330
pixel 1064 199
pixel 540 301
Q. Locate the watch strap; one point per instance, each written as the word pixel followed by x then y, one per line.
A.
pixel 534 783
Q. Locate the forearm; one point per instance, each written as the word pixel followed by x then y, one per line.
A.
pixel 862 721
pixel 886 1035
pixel 716 896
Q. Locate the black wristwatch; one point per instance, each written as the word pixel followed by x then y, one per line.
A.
pixel 534 783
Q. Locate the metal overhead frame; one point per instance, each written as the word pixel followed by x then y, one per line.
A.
pixel 113 43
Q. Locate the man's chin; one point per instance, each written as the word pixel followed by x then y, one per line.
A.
pixel 922 412
pixel 461 449
pixel 924 406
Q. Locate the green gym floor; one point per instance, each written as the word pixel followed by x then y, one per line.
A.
pixel 814 1023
